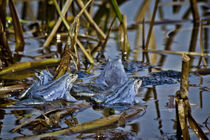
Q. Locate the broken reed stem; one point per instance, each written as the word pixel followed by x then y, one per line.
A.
pixel 184 77
pixel 182 102
pixel 89 18
pixel 151 24
pixel 183 110
pixel 55 28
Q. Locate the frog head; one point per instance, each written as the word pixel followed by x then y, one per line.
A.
pixel 70 79
pixel 44 77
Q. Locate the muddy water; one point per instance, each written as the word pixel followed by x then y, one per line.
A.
pixel 159 119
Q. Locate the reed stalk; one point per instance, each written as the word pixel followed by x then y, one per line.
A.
pixel 182 102
pixel 151 24
pixel 55 28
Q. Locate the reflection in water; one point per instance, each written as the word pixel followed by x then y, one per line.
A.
pixel 147 95
pixel 157 110
pixel 201 100
pixel 117 134
pixel 170 39
pixel 135 127
pixel 193 41
pixel 169 42
pixel 47 13
pixel 2 114
pixel 206 40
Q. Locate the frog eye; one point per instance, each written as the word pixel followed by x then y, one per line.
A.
pixel 37 74
pixel 42 77
pixel 137 83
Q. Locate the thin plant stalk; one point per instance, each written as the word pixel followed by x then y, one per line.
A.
pixel 182 102
pixel 89 57
pixel 193 4
pixel 151 24
pixel 117 10
pixel 124 38
pixel 107 37
pixel 55 28
pixel 176 52
pixel 89 18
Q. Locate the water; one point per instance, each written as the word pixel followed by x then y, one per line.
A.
pixel 158 122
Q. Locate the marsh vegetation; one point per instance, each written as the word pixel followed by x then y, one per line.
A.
pixel 165 44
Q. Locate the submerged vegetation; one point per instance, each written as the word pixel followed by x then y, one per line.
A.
pixel 76 37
